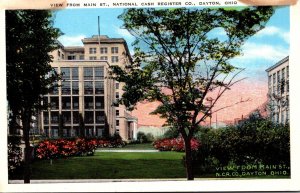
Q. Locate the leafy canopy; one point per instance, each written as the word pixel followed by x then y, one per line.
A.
pixel 180 58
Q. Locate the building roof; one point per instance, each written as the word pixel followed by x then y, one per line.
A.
pixel 74 48
pixel 277 64
pixel 103 39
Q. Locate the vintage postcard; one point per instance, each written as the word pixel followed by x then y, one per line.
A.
pixel 130 96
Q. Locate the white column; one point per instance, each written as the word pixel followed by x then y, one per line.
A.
pixel 134 130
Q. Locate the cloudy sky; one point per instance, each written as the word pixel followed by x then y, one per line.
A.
pixel 260 51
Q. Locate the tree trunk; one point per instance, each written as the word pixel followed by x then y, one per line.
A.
pixel 188 159
pixel 28 150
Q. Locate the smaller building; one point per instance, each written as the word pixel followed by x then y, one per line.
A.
pixel 278 91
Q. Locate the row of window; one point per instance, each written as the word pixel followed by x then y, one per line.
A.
pixel 68 103
pixel 285 117
pixel 89 73
pixel 114 59
pixel 74 131
pixel 74 117
pixel 90 88
pixel 279 76
pixel 104 50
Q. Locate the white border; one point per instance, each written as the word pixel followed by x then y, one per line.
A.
pixel 199 185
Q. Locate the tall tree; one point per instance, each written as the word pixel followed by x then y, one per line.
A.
pixel 30 36
pixel 181 61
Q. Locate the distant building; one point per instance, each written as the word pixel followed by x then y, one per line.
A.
pixel 278 95
pixel 86 95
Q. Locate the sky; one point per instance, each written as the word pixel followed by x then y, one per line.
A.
pixel 260 52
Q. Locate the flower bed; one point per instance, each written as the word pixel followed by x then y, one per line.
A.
pixel 50 149
pixel 175 144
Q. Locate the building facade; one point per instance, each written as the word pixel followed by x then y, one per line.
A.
pixel 83 104
pixel 278 91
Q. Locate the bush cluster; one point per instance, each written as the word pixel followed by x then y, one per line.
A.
pixel 144 138
pixel 50 149
pixel 14 153
pixel 175 144
pixel 254 141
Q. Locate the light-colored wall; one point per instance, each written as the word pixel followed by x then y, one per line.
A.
pixel 273 88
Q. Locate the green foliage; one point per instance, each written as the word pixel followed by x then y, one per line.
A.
pixel 254 141
pixel 30 37
pixel 179 62
pixel 171 133
pixel 144 138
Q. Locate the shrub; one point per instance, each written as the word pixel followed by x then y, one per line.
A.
pixel 141 137
pixel 14 154
pixel 253 141
pixel 49 149
pixel 175 144
pixel 171 133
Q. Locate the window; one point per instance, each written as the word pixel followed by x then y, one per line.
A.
pixel 54 117
pixel 66 102
pixel 65 73
pixel 54 103
pixel 75 88
pixel 287 71
pixel 117 113
pixel 75 102
pixel 46 118
pixel 99 73
pixel 114 50
pixel 88 87
pixel 117 85
pixel 103 50
pixel 81 57
pixel 114 59
pixel 104 58
pixel 117 95
pixel 117 122
pixel 63 56
pixel 89 117
pixel 66 117
pixel 100 118
pixel 93 58
pixel 274 79
pixel 282 117
pixel 93 50
pixel 65 88
pixel 72 57
pixel 99 87
pixel 278 77
pixel 74 73
pixel 76 117
pixel 283 73
pixel 54 131
pixel 88 73
pixel 88 102
pixel 99 100
pixel 100 131
pixel 58 52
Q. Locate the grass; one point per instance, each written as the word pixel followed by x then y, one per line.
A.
pixel 110 165
pixel 144 146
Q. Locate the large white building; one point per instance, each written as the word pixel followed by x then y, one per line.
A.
pixel 83 105
pixel 278 95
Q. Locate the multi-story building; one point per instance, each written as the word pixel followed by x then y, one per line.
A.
pixel 278 95
pixel 83 104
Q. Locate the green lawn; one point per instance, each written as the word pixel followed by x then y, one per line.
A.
pixel 110 165
pixel 144 146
